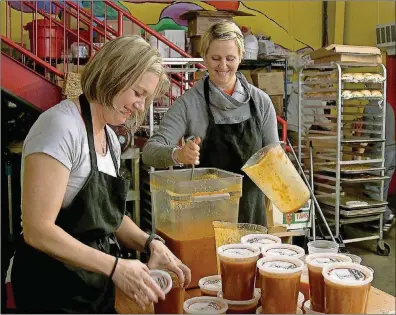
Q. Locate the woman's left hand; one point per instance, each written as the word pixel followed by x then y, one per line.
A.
pixel 162 258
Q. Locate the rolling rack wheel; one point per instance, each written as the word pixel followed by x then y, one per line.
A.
pixel 383 248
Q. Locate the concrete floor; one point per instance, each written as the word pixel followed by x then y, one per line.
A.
pixel 384 266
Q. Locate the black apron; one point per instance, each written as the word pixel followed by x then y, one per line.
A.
pixel 228 147
pixel 42 283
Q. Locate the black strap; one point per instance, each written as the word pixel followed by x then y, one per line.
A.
pixel 113 157
pixel 87 117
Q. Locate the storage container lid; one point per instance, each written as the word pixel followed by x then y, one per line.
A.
pixel 210 283
pixel 238 251
pixel 205 305
pixel 323 259
pixel 283 250
pixel 256 297
pixel 347 274
pixel 163 279
pixel 280 264
pixel 261 239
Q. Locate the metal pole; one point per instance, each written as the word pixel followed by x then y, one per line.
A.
pixel 312 185
pixel 311 191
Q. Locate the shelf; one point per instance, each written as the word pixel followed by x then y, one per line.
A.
pixel 364 178
pixel 371 203
pixel 262 63
pixel 360 140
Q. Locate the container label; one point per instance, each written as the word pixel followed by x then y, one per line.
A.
pixel 212 284
pixel 206 307
pixel 347 274
pixel 282 251
pixel 326 260
pixel 284 265
pixel 162 282
pixel 238 252
pixel 260 240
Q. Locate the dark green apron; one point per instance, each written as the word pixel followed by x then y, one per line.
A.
pixel 42 283
pixel 228 147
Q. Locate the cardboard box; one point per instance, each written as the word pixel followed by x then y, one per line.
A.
pixel 346 53
pixel 278 102
pixel 247 75
pixel 270 82
pixel 200 20
pixel 200 25
pixel 177 37
pixel 195 43
pixel 128 27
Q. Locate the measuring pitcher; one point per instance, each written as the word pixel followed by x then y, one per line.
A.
pixel 273 172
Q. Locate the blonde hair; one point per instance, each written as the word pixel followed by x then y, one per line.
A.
pixel 117 66
pixel 224 30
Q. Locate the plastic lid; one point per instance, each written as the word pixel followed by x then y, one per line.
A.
pixel 239 251
pixel 323 259
pixel 323 245
pixel 256 297
pixel 300 300
pixel 163 279
pixel 307 308
pixel 260 310
pixel 260 239
pixel 283 250
pixel 355 258
pixel 280 264
pixel 210 283
pixel 348 274
pixel 205 305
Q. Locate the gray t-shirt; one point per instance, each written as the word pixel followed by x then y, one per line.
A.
pixel 60 132
pixel 188 116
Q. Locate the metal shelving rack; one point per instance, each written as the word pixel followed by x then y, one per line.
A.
pixel 344 155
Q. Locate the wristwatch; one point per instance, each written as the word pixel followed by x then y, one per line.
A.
pixel 150 239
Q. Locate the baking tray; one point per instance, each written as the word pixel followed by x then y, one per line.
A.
pixel 356 213
pixel 352 139
pixel 349 197
pixel 354 169
pixel 363 178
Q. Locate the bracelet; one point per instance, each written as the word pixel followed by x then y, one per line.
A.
pixel 176 162
pixel 114 268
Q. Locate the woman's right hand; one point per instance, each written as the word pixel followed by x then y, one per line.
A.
pixel 134 279
pixel 189 152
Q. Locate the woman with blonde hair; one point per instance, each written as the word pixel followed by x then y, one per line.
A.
pixel 231 117
pixel 73 198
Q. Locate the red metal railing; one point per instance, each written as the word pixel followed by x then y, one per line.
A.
pixel 63 35
pixel 67 42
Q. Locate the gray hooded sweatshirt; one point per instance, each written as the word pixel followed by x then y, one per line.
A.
pixel 188 116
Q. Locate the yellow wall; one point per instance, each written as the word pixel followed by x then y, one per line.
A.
pixel 287 22
pixel 362 17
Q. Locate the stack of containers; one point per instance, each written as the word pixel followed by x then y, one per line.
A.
pixel 280 267
pixel 338 285
pixel 238 275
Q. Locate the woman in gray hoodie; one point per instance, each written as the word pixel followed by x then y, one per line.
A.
pixel 230 118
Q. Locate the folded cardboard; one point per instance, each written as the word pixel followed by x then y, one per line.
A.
pixel 195 43
pixel 200 20
pixel 270 82
pixel 346 53
pixel 277 101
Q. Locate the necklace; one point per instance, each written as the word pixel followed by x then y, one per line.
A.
pixel 102 142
